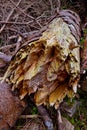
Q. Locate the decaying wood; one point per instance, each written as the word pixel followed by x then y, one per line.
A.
pixel 73 20
pixel 50 66
pixel 10 107
pixel 29 116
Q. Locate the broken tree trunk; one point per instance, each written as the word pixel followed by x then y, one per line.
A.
pixel 49 68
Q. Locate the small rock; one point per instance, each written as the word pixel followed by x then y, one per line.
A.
pixel 70 109
pixel 65 125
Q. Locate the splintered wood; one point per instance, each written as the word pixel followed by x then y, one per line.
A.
pixel 49 67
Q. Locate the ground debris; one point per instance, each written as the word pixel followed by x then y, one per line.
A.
pixel 10 107
pixel 71 108
pixel 36 124
pixel 65 125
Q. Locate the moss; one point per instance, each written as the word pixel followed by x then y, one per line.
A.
pixel 34 110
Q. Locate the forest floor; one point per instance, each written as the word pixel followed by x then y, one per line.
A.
pixel 19 20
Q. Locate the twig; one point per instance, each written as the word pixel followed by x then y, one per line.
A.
pixel 59 118
pixel 21 10
pixel 29 116
pixel 26 14
pixel 39 23
pixel 51 3
pixel 34 26
pixel 1 78
pixel 31 40
pixel 18 23
pixel 18 44
pixel 14 30
pixel 7 46
pixel 59 5
pixel 12 37
pixel 2 28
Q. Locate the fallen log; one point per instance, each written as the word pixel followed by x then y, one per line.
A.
pixel 49 68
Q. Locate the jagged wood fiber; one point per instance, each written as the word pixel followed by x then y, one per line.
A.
pixel 49 67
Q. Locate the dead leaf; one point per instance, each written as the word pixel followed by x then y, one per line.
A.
pixel 10 106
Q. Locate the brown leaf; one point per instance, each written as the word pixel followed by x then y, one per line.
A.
pixel 10 106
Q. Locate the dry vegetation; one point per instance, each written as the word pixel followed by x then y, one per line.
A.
pixel 27 18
